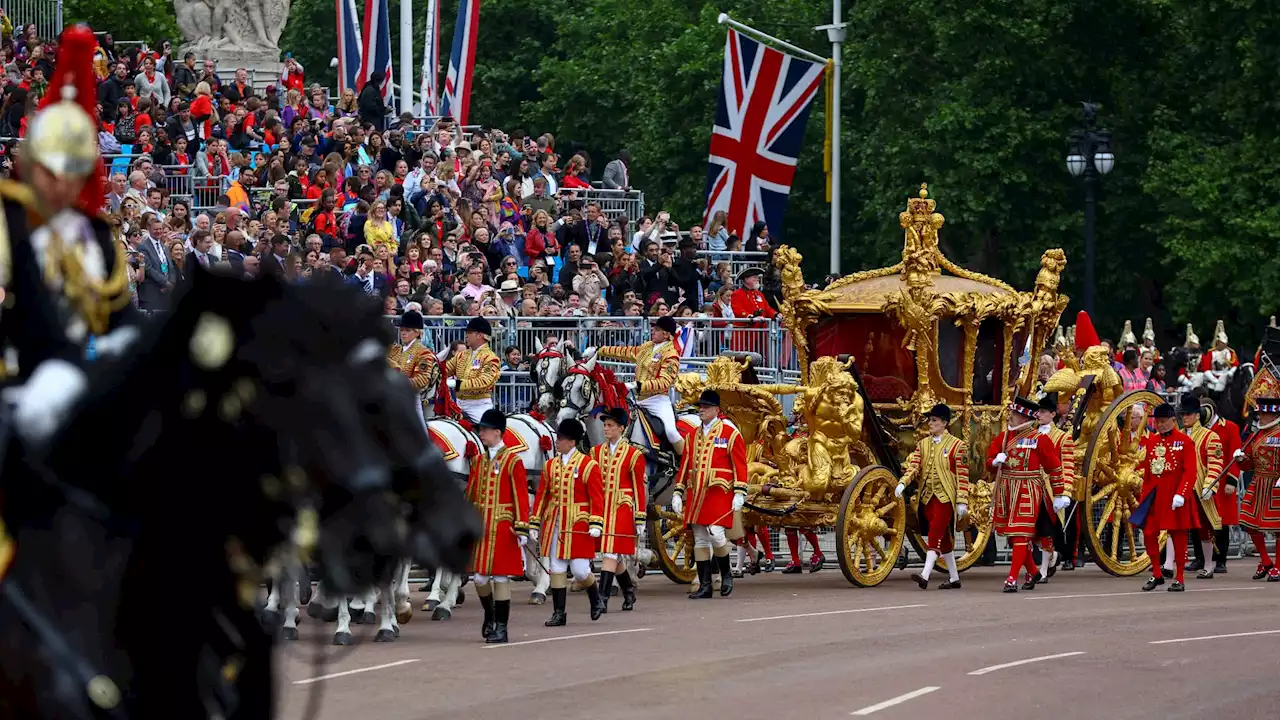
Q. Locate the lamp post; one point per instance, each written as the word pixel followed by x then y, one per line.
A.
pixel 1090 156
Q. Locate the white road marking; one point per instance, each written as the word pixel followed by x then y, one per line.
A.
pixel 895 701
pixel 1028 661
pixel 566 637
pixel 345 673
pixel 1139 592
pixel 831 612
pixel 1214 637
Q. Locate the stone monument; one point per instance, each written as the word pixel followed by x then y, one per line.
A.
pixel 235 34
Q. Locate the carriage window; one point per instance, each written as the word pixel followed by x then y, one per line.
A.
pixel 1019 345
pixel 950 352
pixel 888 369
pixel 987 385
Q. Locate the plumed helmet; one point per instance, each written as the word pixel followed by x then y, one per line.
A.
pixel 63 136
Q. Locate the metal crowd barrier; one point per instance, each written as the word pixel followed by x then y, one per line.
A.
pixel 614 203
pixel 46 14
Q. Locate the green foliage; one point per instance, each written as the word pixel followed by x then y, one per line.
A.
pixel 977 99
pixel 147 20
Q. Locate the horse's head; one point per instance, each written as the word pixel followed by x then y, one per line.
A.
pixel 258 402
pixel 549 365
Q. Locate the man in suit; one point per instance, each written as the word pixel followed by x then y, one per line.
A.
pixel 201 253
pixel 364 277
pixel 617 174
pixel 156 289
pixel 273 262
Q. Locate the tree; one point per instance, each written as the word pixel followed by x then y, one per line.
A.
pixel 150 21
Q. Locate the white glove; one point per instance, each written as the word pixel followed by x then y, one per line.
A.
pixel 452 383
pixel 897 492
pixel 533 534
pixel 588 353
pixel 1207 493
pixel 1278 483
pixel 677 503
pixel 116 342
pixel 738 501
pixel 631 386
pixel 594 532
pixel 1238 455
pixel 961 510
pixel 1000 459
pixel 40 403
pixel 1231 489
pixel 522 539
pixel 1178 501
pixel 1061 502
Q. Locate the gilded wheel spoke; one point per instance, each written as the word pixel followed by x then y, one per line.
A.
pixel 675 530
pixel 1115 537
pixel 1128 536
pixel 1107 491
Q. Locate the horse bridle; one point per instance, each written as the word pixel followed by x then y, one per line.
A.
pixel 588 382
pixel 540 380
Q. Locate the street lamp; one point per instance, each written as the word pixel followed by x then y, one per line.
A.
pixel 1090 156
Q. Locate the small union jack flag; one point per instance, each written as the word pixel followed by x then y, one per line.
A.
pixel 765 96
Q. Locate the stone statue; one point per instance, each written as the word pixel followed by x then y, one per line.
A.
pixel 252 26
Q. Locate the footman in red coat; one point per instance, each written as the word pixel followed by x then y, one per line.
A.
pixel 497 487
pixel 625 485
pixel 1169 471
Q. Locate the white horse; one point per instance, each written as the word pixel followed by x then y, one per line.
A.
pixel 534 440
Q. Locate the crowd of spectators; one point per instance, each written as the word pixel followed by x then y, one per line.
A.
pixel 283 180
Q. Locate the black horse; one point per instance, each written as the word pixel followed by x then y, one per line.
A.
pixel 251 405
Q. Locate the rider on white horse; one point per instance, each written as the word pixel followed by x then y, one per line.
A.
pixel 657 365
pixel 474 372
pixel 413 359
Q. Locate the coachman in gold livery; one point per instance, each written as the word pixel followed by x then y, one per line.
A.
pixel 472 373
pixel 940 467
pixel 413 359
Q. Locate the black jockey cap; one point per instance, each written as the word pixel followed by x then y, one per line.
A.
pixel 493 419
pixel 1164 410
pixel 480 325
pixel 749 272
pixel 940 411
pixel 667 323
pixel 709 398
pixel 618 415
pixel 1049 402
pixel 1189 405
pixel 411 320
pixel 1024 406
pixel 571 429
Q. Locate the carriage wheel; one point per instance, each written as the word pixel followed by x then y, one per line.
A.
pixel 870 527
pixel 1115 488
pixel 672 543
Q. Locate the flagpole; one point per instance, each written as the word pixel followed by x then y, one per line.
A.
pixel 406 55
pixel 836 33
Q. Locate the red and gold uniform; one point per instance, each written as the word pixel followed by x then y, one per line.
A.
pixel 497 486
pixel 1209 459
pixel 1228 510
pixel 1260 509
pixel 1021 492
pixel 625 484
pixel 569 503
pixel 713 469
pixel 940 467
pixel 749 329
pixel 1169 467
pixel 657 365
pixel 1066 449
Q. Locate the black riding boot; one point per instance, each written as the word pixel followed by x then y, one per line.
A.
pixel 597 602
pixel 558 617
pixel 486 602
pixel 501 614
pixel 704 581
pixel 606 589
pixel 628 591
pixel 726 575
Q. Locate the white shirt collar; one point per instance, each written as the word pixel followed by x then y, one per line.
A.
pixel 613 446
pixel 936 439
pixel 566 457
pixel 1044 429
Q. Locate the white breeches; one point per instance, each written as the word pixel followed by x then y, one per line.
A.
pixel 473 409
pixel 479 579
pixel 660 405
pixel 579 568
pixel 612 556
pixel 709 536
pixel 422 415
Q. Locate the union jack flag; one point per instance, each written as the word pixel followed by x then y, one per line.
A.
pixel 765 96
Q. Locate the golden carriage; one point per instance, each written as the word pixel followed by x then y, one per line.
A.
pixel 876 350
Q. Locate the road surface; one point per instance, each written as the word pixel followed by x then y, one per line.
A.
pixel 810 646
